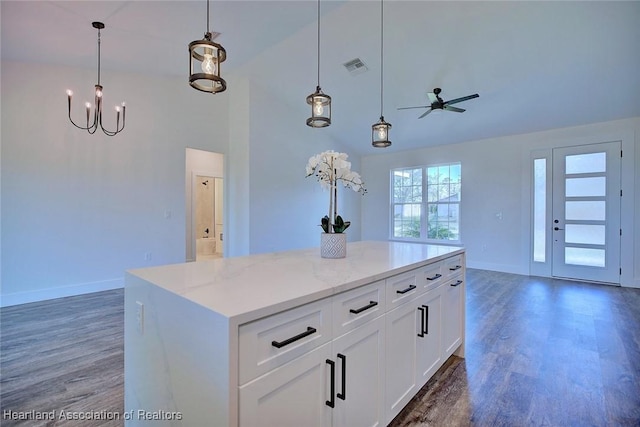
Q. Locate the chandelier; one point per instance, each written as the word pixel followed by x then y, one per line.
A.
pixel 97 105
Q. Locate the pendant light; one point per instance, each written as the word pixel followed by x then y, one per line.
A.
pixel 380 130
pixel 97 105
pixel 320 103
pixel 205 57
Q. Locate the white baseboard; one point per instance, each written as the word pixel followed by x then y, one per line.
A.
pixel 17 298
pixel 503 268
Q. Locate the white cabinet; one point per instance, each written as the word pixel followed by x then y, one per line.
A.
pixel 273 338
pixel 291 395
pixel 413 348
pixel 428 340
pixel 372 348
pixel 453 316
pixel 359 376
pixel 341 383
pixel 401 358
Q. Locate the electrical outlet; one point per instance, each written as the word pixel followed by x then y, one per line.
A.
pixel 140 317
pixel 147 256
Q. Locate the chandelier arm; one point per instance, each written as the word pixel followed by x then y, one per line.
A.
pixel 111 132
pixel 87 128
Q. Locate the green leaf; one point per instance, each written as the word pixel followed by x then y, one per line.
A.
pixel 324 223
pixel 341 225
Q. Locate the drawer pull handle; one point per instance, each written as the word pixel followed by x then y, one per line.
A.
pixel 331 403
pixel 343 395
pixel 421 334
pixel 288 341
pixel 404 291
pixel 366 307
pixel 459 282
pixel 457 267
pixel 437 276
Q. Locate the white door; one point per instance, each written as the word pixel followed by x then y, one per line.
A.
pixel 586 212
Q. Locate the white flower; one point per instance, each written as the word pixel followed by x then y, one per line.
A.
pixel 329 167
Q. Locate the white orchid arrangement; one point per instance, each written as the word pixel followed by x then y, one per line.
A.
pixel 329 167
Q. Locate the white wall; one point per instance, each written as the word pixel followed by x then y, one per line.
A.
pixel 79 209
pixel 495 175
pixel 286 207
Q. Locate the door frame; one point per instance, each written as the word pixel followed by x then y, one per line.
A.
pixel 542 268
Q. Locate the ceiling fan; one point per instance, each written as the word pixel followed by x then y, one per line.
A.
pixel 438 104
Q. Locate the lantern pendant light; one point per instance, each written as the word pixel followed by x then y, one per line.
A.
pixel 320 103
pixel 97 105
pixel 380 130
pixel 205 57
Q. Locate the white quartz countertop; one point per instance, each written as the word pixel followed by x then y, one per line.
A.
pixel 250 287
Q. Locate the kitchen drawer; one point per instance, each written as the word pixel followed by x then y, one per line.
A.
pixel 402 288
pixel 272 341
pixel 453 265
pixel 357 306
pixel 432 276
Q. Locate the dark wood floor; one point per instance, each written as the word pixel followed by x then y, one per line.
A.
pixel 540 352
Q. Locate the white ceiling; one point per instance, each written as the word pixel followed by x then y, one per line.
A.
pixel 536 65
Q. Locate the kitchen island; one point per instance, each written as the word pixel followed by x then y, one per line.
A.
pixel 291 338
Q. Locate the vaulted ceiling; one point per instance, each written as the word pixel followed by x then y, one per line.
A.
pixel 536 65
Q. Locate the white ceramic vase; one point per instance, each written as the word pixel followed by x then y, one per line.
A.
pixel 333 245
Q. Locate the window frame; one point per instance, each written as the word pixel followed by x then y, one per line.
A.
pixel 424 203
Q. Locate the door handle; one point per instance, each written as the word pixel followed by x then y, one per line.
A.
pixel 557 228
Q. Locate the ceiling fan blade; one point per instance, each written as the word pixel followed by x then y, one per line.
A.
pixel 454 109
pixel 425 113
pixel 408 108
pixel 464 98
pixel 432 97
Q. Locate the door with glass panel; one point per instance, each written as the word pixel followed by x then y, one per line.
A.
pixel 586 212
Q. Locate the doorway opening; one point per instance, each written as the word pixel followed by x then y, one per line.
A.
pixel 204 205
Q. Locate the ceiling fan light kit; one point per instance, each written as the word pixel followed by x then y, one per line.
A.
pixel 205 58
pixel 320 103
pixel 97 105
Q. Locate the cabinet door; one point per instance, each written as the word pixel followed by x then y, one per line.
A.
pixel 294 394
pixel 429 345
pixel 359 379
pixel 400 372
pixel 453 315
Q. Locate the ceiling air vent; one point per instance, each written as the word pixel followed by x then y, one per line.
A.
pixel 355 66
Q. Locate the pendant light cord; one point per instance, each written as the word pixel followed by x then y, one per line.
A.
pixel 381 54
pixel 318 43
pixel 208 17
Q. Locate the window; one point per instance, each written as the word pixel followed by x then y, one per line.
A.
pixel 426 202
pixel 539 209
